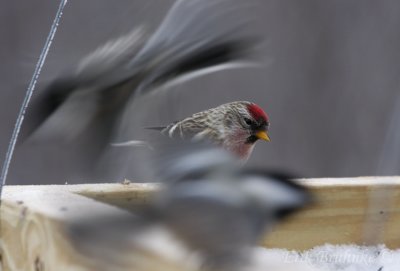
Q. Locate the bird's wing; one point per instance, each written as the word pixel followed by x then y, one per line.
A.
pixel 82 99
pixel 95 94
pixel 121 241
pixel 194 127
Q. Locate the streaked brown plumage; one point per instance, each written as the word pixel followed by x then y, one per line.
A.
pixel 235 126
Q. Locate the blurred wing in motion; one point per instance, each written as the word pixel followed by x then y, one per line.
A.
pixel 123 241
pixel 196 36
pixel 72 102
pixel 178 160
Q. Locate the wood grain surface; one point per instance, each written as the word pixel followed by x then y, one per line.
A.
pixel 364 210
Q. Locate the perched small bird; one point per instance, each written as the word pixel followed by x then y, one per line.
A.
pixel 234 126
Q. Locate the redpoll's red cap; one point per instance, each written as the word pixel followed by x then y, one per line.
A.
pixel 257 112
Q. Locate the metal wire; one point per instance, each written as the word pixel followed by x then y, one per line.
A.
pixel 28 95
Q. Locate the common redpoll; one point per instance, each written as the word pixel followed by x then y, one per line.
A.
pixel 234 126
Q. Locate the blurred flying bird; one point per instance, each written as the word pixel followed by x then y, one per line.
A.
pixel 222 217
pixel 209 215
pixel 93 100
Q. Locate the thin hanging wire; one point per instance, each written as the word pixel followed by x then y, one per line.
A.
pixel 28 95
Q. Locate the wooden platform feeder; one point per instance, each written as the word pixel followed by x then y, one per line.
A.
pixel 364 210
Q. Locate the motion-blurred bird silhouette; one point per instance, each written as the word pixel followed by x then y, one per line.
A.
pixel 92 101
pixel 209 215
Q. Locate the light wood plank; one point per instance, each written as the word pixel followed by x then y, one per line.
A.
pixel 32 218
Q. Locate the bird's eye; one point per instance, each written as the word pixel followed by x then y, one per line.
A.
pixel 248 121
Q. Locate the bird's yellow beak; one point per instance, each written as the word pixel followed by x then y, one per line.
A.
pixel 263 135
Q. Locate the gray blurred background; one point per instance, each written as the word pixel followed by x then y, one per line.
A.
pixel 331 86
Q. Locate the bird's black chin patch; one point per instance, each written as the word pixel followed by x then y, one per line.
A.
pixel 251 139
